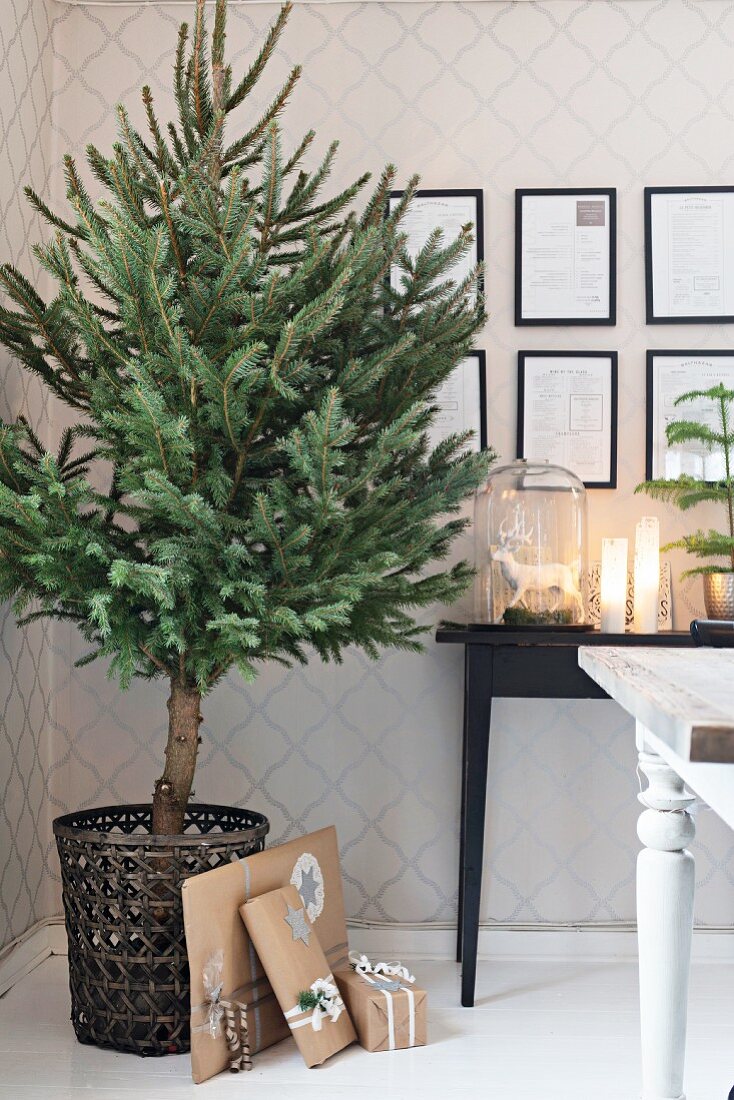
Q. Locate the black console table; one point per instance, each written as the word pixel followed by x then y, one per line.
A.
pixel 511 664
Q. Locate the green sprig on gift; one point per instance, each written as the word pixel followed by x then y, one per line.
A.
pixel 308 1000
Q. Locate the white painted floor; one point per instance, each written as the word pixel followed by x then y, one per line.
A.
pixel 541 1030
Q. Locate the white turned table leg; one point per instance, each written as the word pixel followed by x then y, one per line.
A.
pixel 665 891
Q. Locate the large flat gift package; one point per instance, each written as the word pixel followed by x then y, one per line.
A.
pixel 387 1010
pixel 213 925
pixel 299 974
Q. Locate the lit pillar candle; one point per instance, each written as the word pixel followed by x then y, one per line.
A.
pixel 613 585
pixel 647 575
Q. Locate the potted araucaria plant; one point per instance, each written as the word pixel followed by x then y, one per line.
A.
pixel 686 492
pixel 247 477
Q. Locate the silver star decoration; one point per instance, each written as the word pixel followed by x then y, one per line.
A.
pixel 308 888
pixel 387 985
pixel 296 918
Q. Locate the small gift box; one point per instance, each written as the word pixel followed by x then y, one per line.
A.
pixel 389 1013
pixel 296 966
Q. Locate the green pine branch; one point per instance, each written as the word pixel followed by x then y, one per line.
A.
pixel 686 492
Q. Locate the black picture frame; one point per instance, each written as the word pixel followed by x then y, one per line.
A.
pixel 608 192
pixel 477 193
pixel 481 365
pixel 667 319
pixel 613 358
pixel 651 356
pixel 481 356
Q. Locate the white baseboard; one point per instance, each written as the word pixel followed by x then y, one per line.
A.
pixel 57 936
pixel 423 941
pixel 41 940
pixel 587 941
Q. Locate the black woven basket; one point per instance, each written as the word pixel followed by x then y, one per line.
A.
pixel 128 970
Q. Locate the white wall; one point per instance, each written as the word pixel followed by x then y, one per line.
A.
pixel 491 95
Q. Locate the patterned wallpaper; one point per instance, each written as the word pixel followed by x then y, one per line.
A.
pixel 493 95
pixel 25 127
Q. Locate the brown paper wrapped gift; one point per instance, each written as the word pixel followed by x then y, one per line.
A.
pixel 386 1017
pixel 288 946
pixel 211 902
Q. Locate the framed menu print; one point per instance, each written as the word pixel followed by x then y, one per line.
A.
pixel 565 256
pixel 669 375
pixel 462 403
pixel 567 412
pixel 689 255
pixel 449 210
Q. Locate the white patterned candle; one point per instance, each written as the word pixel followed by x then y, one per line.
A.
pixel 647 575
pixel 613 585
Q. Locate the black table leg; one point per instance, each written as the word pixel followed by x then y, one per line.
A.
pixel 477 715
pixel 462 821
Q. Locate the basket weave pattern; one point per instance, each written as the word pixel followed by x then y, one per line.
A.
pixel 128 970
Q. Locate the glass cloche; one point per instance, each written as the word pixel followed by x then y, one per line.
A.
pixel 530 532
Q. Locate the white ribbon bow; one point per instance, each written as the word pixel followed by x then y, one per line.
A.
pixel 330 1003
pixel 363 966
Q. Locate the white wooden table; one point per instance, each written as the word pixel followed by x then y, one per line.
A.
pixel 683 703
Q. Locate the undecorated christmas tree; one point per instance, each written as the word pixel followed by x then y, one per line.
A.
pixel 248 477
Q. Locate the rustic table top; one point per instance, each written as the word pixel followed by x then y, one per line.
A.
pixel 684 696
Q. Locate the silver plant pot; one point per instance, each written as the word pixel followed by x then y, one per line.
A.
pixel 718 595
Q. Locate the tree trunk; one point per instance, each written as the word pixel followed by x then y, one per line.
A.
pixel 172 790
